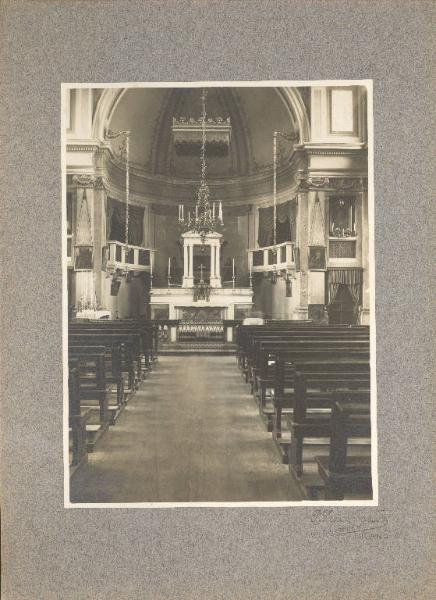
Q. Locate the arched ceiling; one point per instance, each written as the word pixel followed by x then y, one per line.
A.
pixel 255 113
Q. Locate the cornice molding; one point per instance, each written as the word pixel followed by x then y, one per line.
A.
pixel 320 149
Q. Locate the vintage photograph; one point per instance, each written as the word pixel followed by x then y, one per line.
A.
pixel 219 327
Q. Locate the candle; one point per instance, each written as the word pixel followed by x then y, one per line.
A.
pixel 180 213
pixel 220 212
pixel 213 210
pixel 354 228
pixel 151 264
pixel 196 212
pixel 183 212
pixel 189 216
pixel 233 267
pixel 169 267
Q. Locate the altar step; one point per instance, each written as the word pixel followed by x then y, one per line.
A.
pixel 197 347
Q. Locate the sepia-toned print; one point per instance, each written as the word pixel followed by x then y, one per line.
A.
pixel 218 315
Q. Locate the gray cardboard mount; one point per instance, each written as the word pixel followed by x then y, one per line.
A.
pixel 52 553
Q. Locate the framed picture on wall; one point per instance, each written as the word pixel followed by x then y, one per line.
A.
pixel 317 258
pixel 83 258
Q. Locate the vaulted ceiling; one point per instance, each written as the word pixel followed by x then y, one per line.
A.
pixel 255 113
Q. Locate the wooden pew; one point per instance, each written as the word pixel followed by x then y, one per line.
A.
pixel 77 420
pixel 244 334
pixel 261 366
pixel 314 383
pixel 130 348
pixel 147 332
pixel 325 370
pixel 92 391
pixel 147 329
pixel 342 473
pixel 114 378
pixel 253 339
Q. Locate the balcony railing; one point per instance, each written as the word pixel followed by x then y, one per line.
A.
pixel 134 258
pixel 272 258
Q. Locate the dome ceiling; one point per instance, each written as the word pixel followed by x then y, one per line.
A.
pixel 255 113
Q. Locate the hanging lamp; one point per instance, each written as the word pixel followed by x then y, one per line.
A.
pixel 207 218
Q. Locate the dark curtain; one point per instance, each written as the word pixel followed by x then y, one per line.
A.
pixel 116 222
pixel 352 278
pixel 285 224
pixel 266 230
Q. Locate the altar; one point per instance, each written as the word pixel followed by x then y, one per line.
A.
pixel 201 299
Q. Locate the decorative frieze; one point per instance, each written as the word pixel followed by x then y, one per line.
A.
pixel 84 181
pixel 335 183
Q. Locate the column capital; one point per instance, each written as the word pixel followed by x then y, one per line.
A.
pixel 84 180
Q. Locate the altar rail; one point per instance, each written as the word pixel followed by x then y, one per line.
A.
pixel 134 258
pixel 272 258
pixel 203 330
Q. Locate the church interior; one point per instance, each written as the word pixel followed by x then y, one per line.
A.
pixel 218 293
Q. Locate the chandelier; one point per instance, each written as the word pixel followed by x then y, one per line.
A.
pixel 207 218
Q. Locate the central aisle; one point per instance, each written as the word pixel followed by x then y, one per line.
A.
pixel 191 433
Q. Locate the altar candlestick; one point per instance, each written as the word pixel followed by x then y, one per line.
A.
pixel 213 210
pixel 220 212
pixel 233 266
pixel 354 228
pixel 189 216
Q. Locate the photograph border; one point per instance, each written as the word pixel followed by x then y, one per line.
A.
pixel 374 502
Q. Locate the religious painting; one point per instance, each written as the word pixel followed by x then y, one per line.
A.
pixel 83 258
pixel 317 258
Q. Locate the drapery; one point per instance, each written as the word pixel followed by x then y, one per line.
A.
pixel 116 222
pixel 352 278
pixel 285 224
